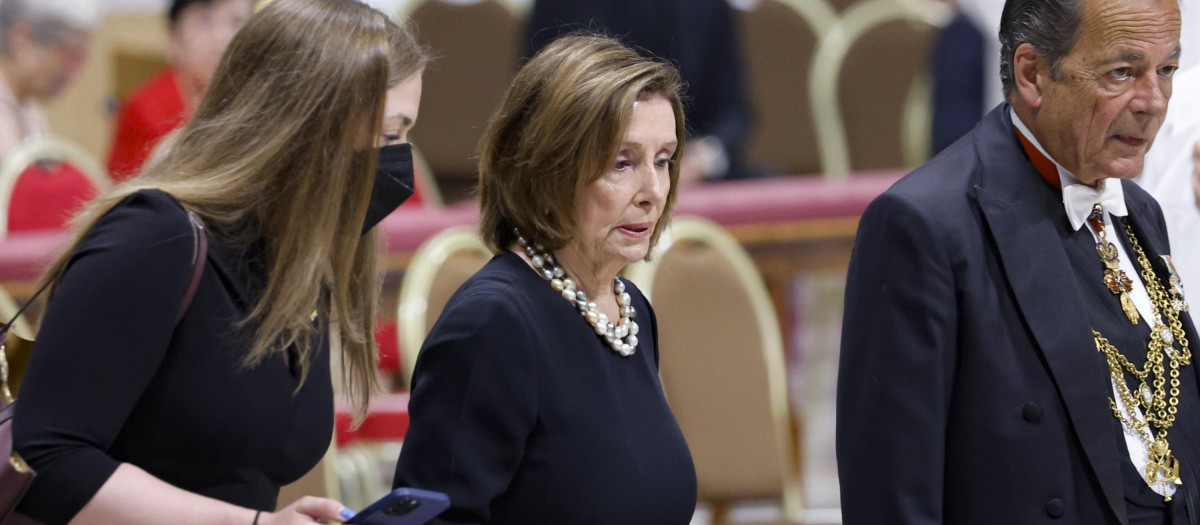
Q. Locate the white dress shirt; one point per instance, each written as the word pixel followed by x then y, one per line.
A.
pixel 1078 201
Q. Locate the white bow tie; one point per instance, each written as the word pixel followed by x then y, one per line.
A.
pixel 1080 199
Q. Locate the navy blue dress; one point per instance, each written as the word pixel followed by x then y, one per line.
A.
pixel 522 414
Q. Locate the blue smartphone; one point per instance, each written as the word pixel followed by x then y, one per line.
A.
pixel 404 506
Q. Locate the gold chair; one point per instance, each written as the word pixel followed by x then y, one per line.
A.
pixel 870 88
pixel 476 44
pixel 38 149
pixel 437 269
pixel 722 367
pixel 780 38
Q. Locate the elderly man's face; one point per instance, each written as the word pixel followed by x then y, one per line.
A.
pixel 1101 114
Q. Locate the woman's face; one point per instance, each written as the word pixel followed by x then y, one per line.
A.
pixel 616 214
pixel 400 110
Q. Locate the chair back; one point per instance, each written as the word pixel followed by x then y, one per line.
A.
pixel 722 365
pixel 442 264
pixel 44 181
pixel 779 38
pixel 477 47
pixel 870 86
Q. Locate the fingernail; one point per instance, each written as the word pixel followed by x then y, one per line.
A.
pixel 347 513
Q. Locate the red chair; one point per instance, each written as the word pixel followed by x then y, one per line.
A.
pixel 44 182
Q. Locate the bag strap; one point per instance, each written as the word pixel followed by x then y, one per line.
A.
pixel 199 256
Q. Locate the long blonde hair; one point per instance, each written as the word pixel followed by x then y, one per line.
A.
pixel 274 157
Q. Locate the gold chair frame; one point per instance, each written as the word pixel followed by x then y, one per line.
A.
pixel 417 284
pixel 826 71
pixel 703 231
pixel 36 149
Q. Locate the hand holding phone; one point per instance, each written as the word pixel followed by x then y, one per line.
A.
pixel 403 506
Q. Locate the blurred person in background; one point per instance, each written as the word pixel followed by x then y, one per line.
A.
pixel 197 34
pixel 536 396
pixel 956 64
pixel 1172 174
pixel 43 45
pixel 170 388
pixel 701 38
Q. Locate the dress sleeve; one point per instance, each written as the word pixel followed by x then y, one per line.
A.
pixel 106 330
pixel 473 405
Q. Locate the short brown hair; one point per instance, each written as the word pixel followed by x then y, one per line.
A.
pixel 558 129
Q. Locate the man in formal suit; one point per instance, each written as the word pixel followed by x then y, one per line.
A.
pixel 1014 348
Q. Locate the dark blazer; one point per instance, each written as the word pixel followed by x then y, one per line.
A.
pixel 970 389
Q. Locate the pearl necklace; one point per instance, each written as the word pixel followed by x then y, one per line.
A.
pixel 622 336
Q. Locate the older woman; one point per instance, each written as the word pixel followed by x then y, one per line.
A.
pixel 536 396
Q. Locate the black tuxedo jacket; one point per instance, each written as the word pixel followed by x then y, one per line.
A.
pixel 970 389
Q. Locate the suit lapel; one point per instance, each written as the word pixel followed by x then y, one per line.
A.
pixel 1029 227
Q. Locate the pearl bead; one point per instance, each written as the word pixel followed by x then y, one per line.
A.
pixel 632 341
pixel 557 284
pixel 592 317
pixel 611 340
pixel 600 330
pixel 547 275
pixel 558 271
pixel 592 306
pixel 622 331
pixel 568 294
pixel 624 299
pixel 568 284
pixel 630 312
pixel 529 251
pixel 633 328
pixel 620 286
pixel 603 319
pixel 626 350
pixel 582 295
pixel 538 261
pixel 617 345
pixel 538 246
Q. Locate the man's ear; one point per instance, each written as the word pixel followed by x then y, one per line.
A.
pixel 1028 68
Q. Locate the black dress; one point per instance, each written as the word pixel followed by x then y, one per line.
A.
pixel 523 415
pixel 114 379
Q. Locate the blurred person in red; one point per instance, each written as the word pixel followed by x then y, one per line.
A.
pixel 43 45
pixel 198 33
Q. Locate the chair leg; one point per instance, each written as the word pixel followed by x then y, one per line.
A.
pixel 720 513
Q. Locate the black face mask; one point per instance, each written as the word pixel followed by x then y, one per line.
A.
pixel 393 183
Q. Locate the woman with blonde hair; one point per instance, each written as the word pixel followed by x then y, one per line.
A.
pixel 536 396
pixel 167 390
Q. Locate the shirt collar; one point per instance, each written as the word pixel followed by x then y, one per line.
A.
pixel 1078 199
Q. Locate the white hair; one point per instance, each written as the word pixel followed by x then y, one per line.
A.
pixel 49 16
